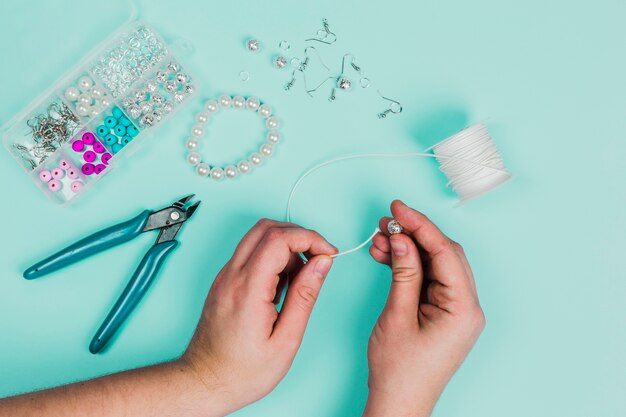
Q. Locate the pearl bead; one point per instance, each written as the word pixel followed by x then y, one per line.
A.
pixel 193 158
pixel 82 110
pixel 272 123
pixel 265 110
pixel 273 136
pixel 94 111
pixel 192 144
pixel 105 102
pixel 239 102
pixel 97 92
pixel 253 103
pixel 256 158
pixel 202 117
pixel 203 169
pixel 85 83
pixel 211 106
pixel 84 99
pixel 72 93
pixel 225 101
pixel 244 167
pixel 217 173
pixel 267 149
pixel 230 171
pixel 197 131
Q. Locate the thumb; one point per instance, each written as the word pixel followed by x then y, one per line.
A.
pixel 300 299
pixel 407 276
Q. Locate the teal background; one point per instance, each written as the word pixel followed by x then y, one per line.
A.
pixel 546 248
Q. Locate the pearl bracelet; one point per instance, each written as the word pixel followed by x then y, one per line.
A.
pixel 245 165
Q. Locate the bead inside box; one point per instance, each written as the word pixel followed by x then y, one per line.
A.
pixel 125 88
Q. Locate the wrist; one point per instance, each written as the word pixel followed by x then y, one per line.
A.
pixel 385 404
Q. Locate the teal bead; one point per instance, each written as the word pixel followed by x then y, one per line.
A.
pixel 117 113
pixel 132 131
pixel 110 121
pixel 102 130
pixel 120 130
pixel 110 139
pixel 116 148
pixel 126 139
pixel 124 121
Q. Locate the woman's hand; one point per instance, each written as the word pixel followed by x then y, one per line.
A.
pixel 243 346
pixel 430 322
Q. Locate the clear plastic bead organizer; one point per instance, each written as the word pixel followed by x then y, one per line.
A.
pixel 75 134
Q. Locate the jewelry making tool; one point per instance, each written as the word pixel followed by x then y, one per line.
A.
pixel 167 221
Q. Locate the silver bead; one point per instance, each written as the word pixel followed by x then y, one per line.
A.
pixel 203 169
pixel 170 86
pixel 167 107
pixel 267 149
pixel 230 171
pixel 127 102
pixel 244 167
pixel 173 67
pixel 202 117
pixel 146 108
pixel 273 136
pixel 225 101
pixel 253 103
pixel 344 84
pixel 192 144
pixel 265 110
pixel 271 123
pixel 189 89
pixel 393 227
pixel 211 106
pixel 140 95
pixel 217 173
pixel 151 86
pixel 157 115
pixel 193 158
pixel 253 45
pixel 256 158
pixel 179 97
pixel 134 111
pixel 181 78
pixel 147 120
pixel 197 131
pixel 157 99
pixel 161 76
pixel 239 102
pixel 280 62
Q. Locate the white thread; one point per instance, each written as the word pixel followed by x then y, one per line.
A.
pixel 469 159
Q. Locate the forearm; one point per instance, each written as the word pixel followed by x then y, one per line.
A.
pixel 170 389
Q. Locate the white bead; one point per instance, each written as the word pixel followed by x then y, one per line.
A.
pixel 72 93
pixel 239 102
pixel 272 123
pixel 244 167
pixel 265 111
pixel 197 131
pixel 192 144
pixel 82 110
pixel 217 173
pixel 230 171
pixel 97 92
pixel 105 102
pixel 256 158
pixel 273 136
pixel 85 83
pixel 253 103
pixel 267 149
pixel 193 158
pixel 225 101
pixel 202 117
pixel 211 106
pixel 84 99
pixel 203 169
pixel 94 111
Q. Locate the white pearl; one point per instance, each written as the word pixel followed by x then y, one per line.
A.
pixel 94 111
pixel 273 136
pixel 265 110
pixel 72 93
pixel 256 158
pixel 253 103
pixel 272 123
pixel 230 171
pixel 193 158
pixel 81 109
pixel 267 149
pixel 84 99
pixel 239 102
pixel 225 101
pixel 202 117
pixel 203 169
pixel 97 92
pixel 244 167
pixel 211 106
pixel 192 144
pixel 85 83
pixel 197 131
pixel 217 173
pixel 105 101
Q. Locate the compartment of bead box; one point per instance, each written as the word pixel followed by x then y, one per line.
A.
pixel 127 84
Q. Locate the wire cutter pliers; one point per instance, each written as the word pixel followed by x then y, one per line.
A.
pixel 167 220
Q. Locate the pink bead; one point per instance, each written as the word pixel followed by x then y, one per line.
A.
pixel 54 185
pixel 98 147
pixel 78 146
pixel 89 138
pixel 72 173
pixel 76 186
pixel 45 176
pixel 99 168
pixel 88 169
pixel 105 158
pixel 64 164
pixel 89 156
pixel 58 173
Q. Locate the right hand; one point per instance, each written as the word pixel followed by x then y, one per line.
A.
pixel 430 322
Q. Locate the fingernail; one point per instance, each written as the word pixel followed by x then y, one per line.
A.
pixel 323 265
pixel 398 247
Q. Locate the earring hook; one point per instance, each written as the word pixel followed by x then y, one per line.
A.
pixel 398 108
pixel 316 88
pixel 319 56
